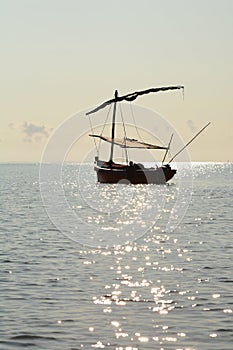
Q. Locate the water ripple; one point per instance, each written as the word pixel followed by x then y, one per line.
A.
pixel 163 291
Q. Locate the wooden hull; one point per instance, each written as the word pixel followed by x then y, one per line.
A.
pixel 127 174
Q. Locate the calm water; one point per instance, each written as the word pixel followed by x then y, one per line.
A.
pixel 164 288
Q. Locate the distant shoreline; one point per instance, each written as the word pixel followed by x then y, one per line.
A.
pixel 76 163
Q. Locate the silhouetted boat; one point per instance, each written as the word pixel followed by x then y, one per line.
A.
pixel 135 173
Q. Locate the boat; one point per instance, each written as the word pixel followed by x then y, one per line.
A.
pixel 110 171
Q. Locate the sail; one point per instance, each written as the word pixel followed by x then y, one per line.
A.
pixel 129 143
pixel 133 95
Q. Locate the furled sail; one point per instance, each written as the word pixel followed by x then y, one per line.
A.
pixel 129 143
pixel 133 95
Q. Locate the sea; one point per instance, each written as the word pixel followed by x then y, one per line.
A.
pixel 85 265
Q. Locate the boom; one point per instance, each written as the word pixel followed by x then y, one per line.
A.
pixel 133 95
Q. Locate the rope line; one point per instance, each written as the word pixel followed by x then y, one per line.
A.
pixel 92 131
pixel 105 122
pixel 139 136
pixel 125 135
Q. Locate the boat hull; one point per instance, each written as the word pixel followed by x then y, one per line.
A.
pixel 127 174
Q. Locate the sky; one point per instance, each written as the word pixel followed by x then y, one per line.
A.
pixel 60 57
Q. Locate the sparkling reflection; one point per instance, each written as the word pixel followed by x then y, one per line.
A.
pixel 151 282
pixel 140 283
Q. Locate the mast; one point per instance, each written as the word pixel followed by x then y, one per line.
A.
pixel 168 147
pixel 113 127
pixel 189 142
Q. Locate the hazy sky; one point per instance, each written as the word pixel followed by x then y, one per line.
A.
pixel 62 56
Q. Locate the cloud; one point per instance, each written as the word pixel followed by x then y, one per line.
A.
pixel 191 125
pixel 31 129
pixel 11 126
pixel 33 132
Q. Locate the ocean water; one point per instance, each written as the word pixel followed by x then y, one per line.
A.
pixel 91 266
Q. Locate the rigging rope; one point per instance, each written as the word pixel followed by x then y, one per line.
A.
pixel 105 122
pixel 97 147
pixel 126 153
pixel 139 136
pixel 92 131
